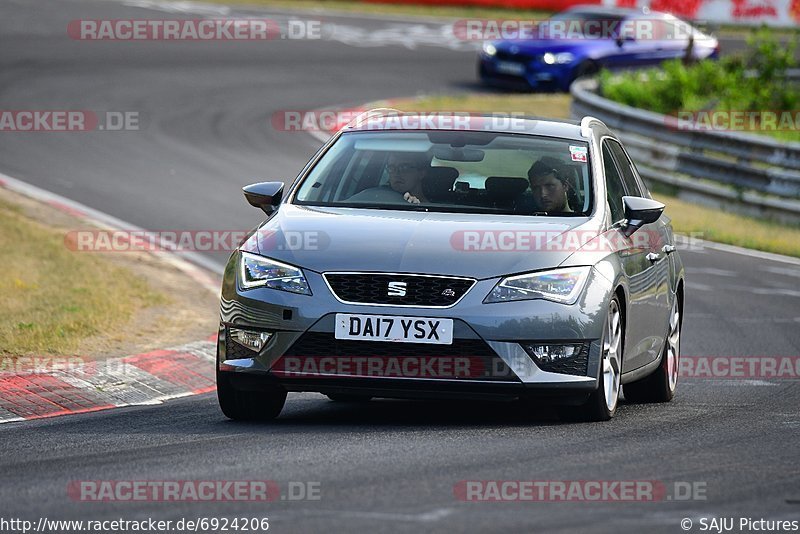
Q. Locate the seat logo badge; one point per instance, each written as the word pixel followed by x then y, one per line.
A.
pixel 448 293
pixel 397 289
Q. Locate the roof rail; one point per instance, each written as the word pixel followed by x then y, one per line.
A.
pixel 586 125
pixel 362 117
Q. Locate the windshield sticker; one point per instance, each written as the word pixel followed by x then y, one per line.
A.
pixel 578 153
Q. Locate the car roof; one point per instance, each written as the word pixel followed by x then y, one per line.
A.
pixel 393 120
pixel 601 10
pixel 615 11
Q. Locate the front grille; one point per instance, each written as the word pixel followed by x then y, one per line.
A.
pixel 577 365
pixel 321 354
pixel 419 290
pixel 519 58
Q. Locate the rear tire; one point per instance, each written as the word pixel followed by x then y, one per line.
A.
pixel 602 404
pixel 661 384
pixel 242 405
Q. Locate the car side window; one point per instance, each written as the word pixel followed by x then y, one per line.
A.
pixel 628 173
pixel 615 189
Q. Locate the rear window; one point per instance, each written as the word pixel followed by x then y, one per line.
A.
pixel 458 171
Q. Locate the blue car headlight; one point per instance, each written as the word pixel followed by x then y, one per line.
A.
pixel 258 271
pixel 562 58
pixel 489 49
pixel 558 285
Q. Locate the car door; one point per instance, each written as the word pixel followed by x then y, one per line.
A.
pixel 653 282
pixel 665 39
pixel 627 49
pixel 632 253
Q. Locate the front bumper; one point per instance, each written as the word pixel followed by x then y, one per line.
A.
pixel 486 339
pixel 536 75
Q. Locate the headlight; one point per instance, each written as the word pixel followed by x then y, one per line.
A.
pixel 559 285
pixel 489 49
pixel 561 58
pixel 257 271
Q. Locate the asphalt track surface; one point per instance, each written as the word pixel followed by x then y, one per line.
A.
pixel 386 465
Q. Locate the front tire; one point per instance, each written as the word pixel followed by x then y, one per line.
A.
pixel 602 404
pixel 661 384
pixel 243 405
pixel 586 68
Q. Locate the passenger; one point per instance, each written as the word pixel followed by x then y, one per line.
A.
pixel 550 186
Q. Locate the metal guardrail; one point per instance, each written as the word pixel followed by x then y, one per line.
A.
pixel 748 173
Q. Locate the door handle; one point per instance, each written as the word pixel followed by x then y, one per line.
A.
pixel 668 249
pixel 653 257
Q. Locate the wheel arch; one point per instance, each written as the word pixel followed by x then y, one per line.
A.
pixel 622 297
pixel 619 292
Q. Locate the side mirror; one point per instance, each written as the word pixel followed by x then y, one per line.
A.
pixel 638 212
pixel 264 195
pixel 626 39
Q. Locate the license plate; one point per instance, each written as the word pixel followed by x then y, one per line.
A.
pixel 509 67
pixel 394 328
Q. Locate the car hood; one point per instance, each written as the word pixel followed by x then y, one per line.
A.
pixel 477 246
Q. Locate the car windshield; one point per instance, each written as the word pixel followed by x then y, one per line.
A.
pixel 452 171
pixel 585 24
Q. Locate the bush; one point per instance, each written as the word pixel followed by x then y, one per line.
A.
pixel 755 82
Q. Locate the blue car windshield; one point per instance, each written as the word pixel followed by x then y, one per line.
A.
pixel 575 24
pixel 452 171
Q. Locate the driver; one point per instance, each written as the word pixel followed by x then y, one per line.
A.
pixel 406 170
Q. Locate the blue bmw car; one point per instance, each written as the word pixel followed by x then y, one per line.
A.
pixel 584 39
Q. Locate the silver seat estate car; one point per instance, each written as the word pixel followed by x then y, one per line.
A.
pixel 455 256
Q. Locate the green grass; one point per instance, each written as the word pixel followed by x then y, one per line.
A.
pixel 52 297
pixel 554 106
pixel 729 228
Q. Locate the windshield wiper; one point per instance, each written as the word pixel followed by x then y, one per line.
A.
pixel 396 207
